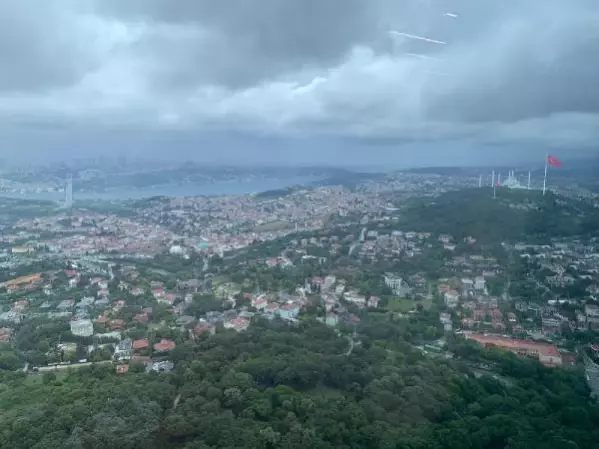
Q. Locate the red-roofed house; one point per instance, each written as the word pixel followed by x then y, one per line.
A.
pixel 141 344
pixel 204 328
pixel 272 308
pixel 546 353
pixel 260 303
pixel 122 369
pixel 167 298
pixel 238 324
pixel 158 292
pixel 116 325
pixel 164 346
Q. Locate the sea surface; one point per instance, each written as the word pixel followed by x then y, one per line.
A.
pixel 232 188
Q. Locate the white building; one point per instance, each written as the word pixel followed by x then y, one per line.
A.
pixel 479 283
pixel 82 328
pixel 176 250
pixel 394 283
pixel 329 281
pixel 355 298
pixel 452 298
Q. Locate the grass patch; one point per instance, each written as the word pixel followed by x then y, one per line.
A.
pixel 277 225
pixel 219 280
pixel 405 305
pixel 37 379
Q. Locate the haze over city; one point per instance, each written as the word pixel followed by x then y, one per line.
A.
pixel 379 82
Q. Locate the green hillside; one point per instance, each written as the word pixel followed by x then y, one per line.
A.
pixel 512 215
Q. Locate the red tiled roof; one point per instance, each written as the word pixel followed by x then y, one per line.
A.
pixel 141 318
pixel 203 327
pixel 141 344
pixel 164 345
pixel 513 344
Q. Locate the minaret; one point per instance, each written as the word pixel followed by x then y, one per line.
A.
pixel 480 180
pixel 528 179
pixel 68 192
pixel 493 178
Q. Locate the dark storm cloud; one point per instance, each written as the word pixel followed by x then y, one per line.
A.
pixel 36 50
pixel 542 58
pixel 244 42
pixel 513 72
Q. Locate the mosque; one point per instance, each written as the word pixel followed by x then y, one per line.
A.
pixel 512 182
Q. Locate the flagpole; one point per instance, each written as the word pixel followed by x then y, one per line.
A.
pixel 545 177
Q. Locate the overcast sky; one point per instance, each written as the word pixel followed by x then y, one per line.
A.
pixel 300 81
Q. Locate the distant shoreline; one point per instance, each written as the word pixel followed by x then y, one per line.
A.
pixel 172 190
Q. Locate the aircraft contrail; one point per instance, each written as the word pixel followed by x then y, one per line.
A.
pixel 449 14
pixel 420 38
pixel 417 55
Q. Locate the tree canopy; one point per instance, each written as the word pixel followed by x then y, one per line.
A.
pixel 281 386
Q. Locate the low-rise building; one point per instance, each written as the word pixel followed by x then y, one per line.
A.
pixel 139 345
pixel 5 334
pixel 289 311
pixel 124 349
pixel 547 354
pixel 164 346
pixel 452 298
pixel 237 324
pixel 82 328
pixel 394 282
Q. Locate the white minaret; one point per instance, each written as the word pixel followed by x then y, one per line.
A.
pixel 493 178
pixel 480 180
pixel 528 179
pixel 68 192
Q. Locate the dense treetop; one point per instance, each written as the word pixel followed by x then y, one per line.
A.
pixel 281 386
pixel 512 215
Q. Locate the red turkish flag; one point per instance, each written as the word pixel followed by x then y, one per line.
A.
pixel 552 161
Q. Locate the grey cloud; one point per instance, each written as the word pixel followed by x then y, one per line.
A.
pixel 513 73
pixel 541 58
pixel 38 49
pixel 245 42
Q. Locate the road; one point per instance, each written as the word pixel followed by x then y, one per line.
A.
pixel 591 372
pixel 351 346
pixel 43 369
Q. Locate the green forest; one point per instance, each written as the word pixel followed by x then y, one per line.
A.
pixel 282 386
pixel 512 215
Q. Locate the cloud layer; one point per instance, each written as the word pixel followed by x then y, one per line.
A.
pixel 509 73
